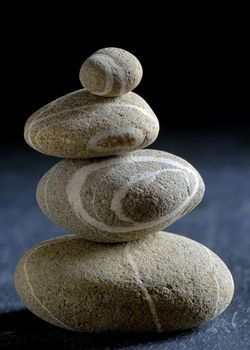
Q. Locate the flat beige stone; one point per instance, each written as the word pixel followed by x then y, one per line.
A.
pixel 119 198
pixel 111 72
pixel 82 125
pixel 161 283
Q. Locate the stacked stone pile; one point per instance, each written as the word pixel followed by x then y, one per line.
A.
pixel 118 271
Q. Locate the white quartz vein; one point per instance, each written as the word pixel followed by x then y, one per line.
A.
pixel 144 290
pixel 31 288
pixel 76 182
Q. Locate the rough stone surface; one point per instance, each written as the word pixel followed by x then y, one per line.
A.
pixel 163 282
pixel 221 222
pixel 111 72
pixel 82 125
pixel 119 198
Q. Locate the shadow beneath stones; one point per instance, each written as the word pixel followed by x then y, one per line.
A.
pixel 23 330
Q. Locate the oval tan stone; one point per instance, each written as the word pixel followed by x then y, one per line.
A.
pixel 161 283
pixel 82 125
pixel 111 72
pixel 119 198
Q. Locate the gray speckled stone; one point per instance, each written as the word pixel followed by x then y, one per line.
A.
pixel 82 125
pixel 119 198
pixel 163 282
pixel 111 72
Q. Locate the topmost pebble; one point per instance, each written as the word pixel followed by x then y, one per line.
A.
pixel 110 72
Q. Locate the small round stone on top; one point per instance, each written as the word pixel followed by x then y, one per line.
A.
pixel 110 72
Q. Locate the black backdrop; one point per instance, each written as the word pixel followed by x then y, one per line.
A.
pixel 194 78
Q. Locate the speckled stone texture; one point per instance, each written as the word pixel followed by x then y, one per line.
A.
pixel 111 72
pixel 163 282
pixel 82 125
pixel 221 222
pixel 119 198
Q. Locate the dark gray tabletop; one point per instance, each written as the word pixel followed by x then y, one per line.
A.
pixel 221 222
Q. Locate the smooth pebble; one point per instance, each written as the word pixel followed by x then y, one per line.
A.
pixel 110 72
pixel 119 198
pixel 82 125
pixel 161 283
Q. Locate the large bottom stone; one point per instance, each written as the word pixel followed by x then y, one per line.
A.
pixel 163 282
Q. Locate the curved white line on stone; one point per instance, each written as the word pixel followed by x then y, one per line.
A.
pixel 95 108
pixel 39 119
pixel 110 67
pixel 32 290
pixel 77 181
pixel 46 187
pixel 47 107
pixel 216 282
pixel 148 176
pixel 104 134
pixel 107 62
pixel 144 290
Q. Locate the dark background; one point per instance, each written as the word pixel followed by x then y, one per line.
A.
pixel 195 61
pixel 195 80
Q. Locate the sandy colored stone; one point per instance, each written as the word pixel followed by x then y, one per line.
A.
pixel 119 198
pixel 161 283
pixel 82 125
pixel 110 72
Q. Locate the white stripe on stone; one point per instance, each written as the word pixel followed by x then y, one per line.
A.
pixel 78 179
pixel 111 67
pixel 94 109
pixel 46 187
pixel 48 106
pixel 144 290
pixel 102 135
pixel 32 290
pixel 107 62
